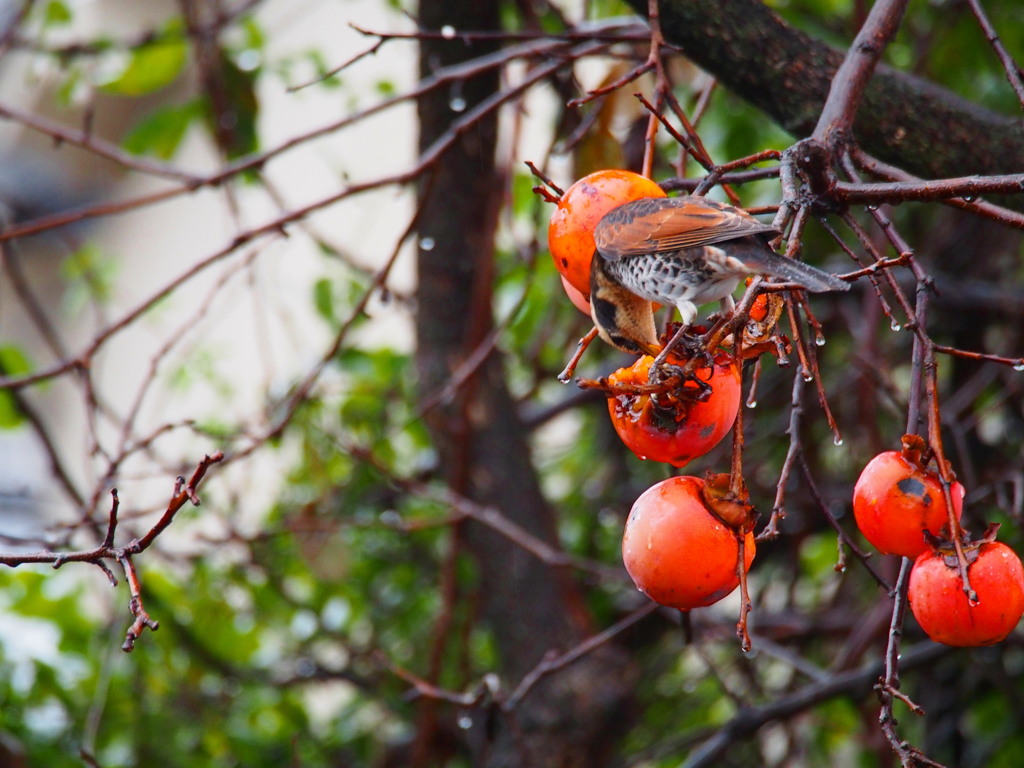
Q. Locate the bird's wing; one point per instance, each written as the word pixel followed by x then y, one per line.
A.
pixel 659 225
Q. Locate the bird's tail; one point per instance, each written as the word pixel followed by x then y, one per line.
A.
pixel 763 260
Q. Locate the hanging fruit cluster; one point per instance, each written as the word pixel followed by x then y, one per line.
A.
pixel 961 592
pixel 688 542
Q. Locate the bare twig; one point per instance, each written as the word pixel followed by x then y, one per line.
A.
pixel 1010 67
pixel 123 555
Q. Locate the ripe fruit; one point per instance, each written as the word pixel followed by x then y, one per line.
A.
pixel 676 551
pixel 579 300
pixel 942 609
pixel 675 427
pixel 759 309
pixel 896 498
pixel 571 229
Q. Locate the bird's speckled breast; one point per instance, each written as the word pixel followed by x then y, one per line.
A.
pixel 697 275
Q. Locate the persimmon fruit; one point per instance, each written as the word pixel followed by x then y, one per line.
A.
pixel 677 551
pixel 675 427
pixel 941 607
pixel 896 498
pixel 579 300
pixel 584 204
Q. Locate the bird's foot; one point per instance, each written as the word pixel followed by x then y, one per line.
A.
pixel 677 383
pixel 686 344
pixel 674 370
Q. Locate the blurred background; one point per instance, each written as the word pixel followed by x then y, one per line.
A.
pixel 305 234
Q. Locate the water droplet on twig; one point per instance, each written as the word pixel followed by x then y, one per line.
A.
pixel 448 32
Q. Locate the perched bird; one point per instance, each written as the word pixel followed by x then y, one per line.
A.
pixel 680 252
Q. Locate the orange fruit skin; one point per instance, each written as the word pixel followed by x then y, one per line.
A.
pixel 759 309
pixel 579 300
pixel 676 551
pixel 895 501
pixel 940 606
pixel 584 204
pixel 684 430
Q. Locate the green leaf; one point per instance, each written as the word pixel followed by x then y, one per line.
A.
pixel 13 362
pixel 151 67
pixel 322 68
pixel 90 276
pixel 10 415
pixel 323 299
pixel 69 87
pixel 254 37
pixel 56 13
pixel 161 132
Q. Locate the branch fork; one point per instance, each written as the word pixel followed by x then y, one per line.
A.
pixel 183 492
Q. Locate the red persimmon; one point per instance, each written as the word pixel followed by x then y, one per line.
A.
pixel 584 204
pixel 677 551
pixel 941 607
pixel 675 427
pixel 896 499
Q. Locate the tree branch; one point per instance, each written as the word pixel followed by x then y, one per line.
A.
pixel 123 555
pixel 904 119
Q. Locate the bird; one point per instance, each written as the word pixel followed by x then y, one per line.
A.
pixel 680 252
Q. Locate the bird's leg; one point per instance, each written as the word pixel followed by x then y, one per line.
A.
pixel 727 305
pixel 687 314
pixel 682 337
pixel 581 347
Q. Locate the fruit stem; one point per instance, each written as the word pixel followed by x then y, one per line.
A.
pixel 745 604
pixel 558 191
pixel 956 533
pixel 736 485
pixel 686 625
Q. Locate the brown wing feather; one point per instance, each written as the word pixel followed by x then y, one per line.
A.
pixel 660 225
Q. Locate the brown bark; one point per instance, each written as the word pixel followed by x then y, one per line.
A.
pixel 530 607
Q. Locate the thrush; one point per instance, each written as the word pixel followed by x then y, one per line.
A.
pixel 680 252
